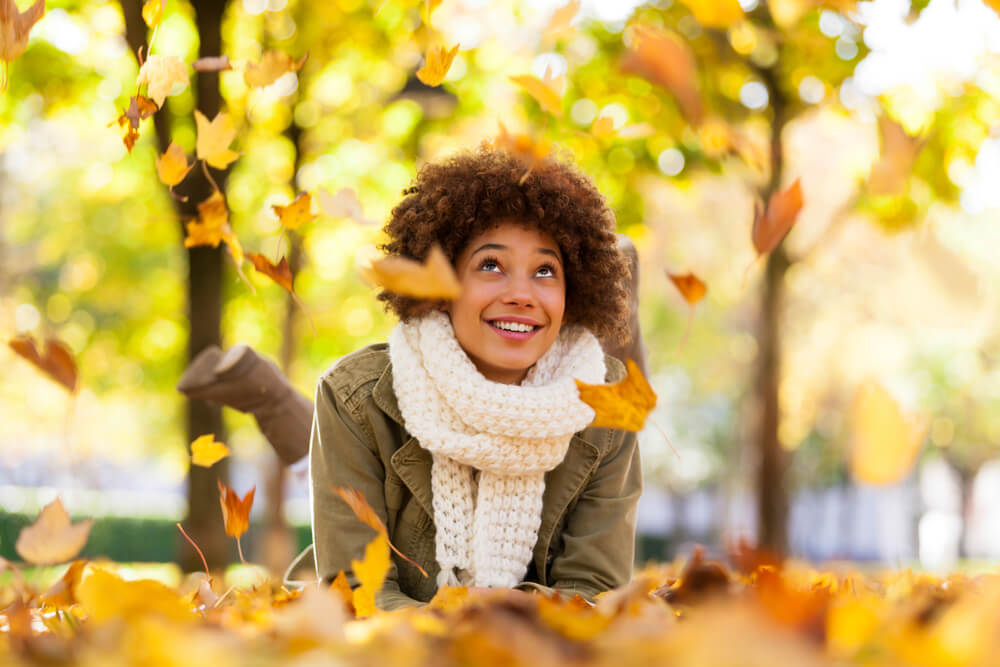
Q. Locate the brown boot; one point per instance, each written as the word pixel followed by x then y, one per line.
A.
pixel 241 379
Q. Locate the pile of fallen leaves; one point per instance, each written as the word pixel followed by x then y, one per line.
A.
pixel 751 611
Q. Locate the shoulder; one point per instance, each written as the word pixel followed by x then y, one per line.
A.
pixel 356 371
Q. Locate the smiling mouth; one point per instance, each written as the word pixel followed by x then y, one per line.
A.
pixel 513 329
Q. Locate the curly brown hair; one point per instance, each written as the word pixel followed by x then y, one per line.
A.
pixel 452 201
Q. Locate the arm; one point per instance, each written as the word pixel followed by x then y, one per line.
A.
pixel 598 539
pixel 341 456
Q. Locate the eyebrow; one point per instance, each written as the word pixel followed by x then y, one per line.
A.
pixel 498 246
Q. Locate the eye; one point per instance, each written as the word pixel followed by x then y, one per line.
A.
pixel 547 271
pixel 489 264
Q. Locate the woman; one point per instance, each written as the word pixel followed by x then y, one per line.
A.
pixel 465 432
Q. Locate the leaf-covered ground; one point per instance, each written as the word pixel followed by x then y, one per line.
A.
pixel 750 612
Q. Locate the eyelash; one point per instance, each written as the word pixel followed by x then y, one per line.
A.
pixel 494 260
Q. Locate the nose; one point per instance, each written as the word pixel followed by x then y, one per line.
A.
pixel 519 291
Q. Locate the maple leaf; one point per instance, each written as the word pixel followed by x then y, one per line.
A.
pixel 623 405
pixel 52 538
pixel 214 138
pixel 105 596
pixel 366 514
pixel 559 25
pixel 715 13
pixel 279 273
pixel 62 593
pixel 212 64
pixel 273 65
pixel 14 29
pixel 161 73
pixel 340 586
pixel 212 225
pixel 428 9
pixel 546 90
pixel 139 108
pixel 344 204
pixel 297 213
pixel 689 285
pixel 206 452
pixel 885 442
pixel 436 65
pixel 770 227
pixel 370 573
pixel 604 126
pixel 524 147
pixel 172 166
pixel 57 362
pixel 899 151
pixel 152 12
pixel 235 511
pixel 434 279
pixel 665 59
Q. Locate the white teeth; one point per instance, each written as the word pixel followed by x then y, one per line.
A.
pixel 513 326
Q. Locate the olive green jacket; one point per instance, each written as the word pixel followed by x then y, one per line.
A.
pixel 587 536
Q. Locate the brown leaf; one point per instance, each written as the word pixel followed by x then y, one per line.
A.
pixel 235 511
pixel 689 285
pixel 771 227
pixel 356 501
pixel 57 362
pixel 434 279
pixel 700 579
pixel 279 273
pixel 15 26
pixel 666 60
pixel 624 405
pixel 52 538
pixel 212 64
pixel 523 146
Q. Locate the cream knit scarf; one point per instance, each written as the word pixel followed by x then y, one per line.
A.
pixel 487 521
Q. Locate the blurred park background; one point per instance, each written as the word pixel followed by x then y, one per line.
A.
pixel 837 398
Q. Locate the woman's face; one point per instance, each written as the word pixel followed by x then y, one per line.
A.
pixel 512 302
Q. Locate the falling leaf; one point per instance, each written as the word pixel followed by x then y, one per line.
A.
pixel 212 64
pixel 559 25
pixel 172 166
pixel 106 597
pixel 52 538
pixel 206 452
pixel 212 225
pixel 161 73
pixel 689 285
pixel 665 59
pixel 771 227
pixel 366 514
pixel 428 9
pixel 546 91
pixel 152 12
pixel 436 65
pixel 434 279
pixel 523 146
pixel 273 65
pixel 279 273
pixel 885 442
pixel 720 14
pixel 344 204
pixel 623 405
pixel 297 213
pixel 214 139
pixel 899 151
pixel 57 362
pixel 235 511
pixel 370 573
pixel 139 108
pixel 14 29
pixel 604 126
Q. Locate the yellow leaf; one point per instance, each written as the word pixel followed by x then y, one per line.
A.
pixel 604 126
pixel 437 64
pixel 715 13
pixel 366 514
pixel 545 91
pixel 52 538
pixel 160 73
pixel 575 619
pixel 273 65
pixel 15 26
pixel 152 12
pixel 370 573
pixel 297 213
pixel 212 226
pixel 172 166
pixel 214 138
pixel 559 24
pixel 885 442
pixel 105 596
pixel 623 405
pixel 344 204
pixel 206 452
pixel 434 279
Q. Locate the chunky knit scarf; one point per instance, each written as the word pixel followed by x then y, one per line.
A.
pixel 490 443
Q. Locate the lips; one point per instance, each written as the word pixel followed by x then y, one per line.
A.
pixel 514 335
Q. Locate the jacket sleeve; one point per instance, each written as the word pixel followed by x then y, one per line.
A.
pixel 598 539
pixel 340 455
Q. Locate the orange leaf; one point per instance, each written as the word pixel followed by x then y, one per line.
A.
pixel 212 226
pixel 772 226
pixel 623 405
pixel 366 514
pixel 62 593
pixel 603 127
pixel 15 26
pixel 273 65
pixel 437 64
pixel 434 279
pixel 690 286
pixel 172 166
pixel 665 59
pixel 152 12
pixel 57 362
pixel 340 586
pixel 235 511
pixel 52 538
pixel 545 91
pixel 559 24
pixel 297 213
pixel 899 151
pixel 279 273
pixel 523 146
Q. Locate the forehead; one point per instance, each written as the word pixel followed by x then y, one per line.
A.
pixel 515 236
